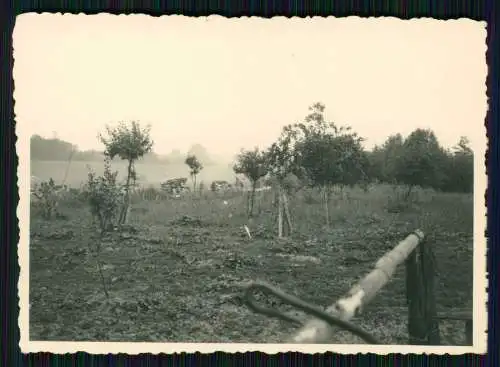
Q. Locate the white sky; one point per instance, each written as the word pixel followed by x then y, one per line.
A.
pixel 233 83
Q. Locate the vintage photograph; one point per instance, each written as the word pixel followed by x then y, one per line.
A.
pixel 244 181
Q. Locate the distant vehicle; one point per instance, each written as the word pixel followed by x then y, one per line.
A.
pixel 175 186
pixel 220 186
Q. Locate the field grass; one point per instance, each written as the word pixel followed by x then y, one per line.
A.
pixel 176 273
pixel 150 173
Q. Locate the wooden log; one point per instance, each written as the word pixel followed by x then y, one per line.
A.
pixel 318 331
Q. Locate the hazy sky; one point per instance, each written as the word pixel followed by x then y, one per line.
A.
pixel 233 83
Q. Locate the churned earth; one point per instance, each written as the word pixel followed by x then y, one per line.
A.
pixel 176 272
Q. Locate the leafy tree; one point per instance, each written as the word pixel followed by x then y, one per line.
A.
pixel 104 196
pixel 252 164
pixel 421 161
pixel 129 142
pixel 281 164
pixel 329 155
pixel 195 167
pixel 463 147
pixel 384 159
pixel 47 197
pixel 459 168
pixel 463 164
pixel 201 153
pixel 281 156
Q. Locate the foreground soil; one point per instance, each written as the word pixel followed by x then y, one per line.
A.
pixel 177 271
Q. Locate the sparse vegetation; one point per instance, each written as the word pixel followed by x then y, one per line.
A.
pixel 46 197
pixel 105 197
pixel 176 271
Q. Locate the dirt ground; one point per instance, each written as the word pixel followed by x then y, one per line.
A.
pixel 176 273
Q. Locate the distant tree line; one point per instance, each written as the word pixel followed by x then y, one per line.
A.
pixel 314 153
pixel 55 149
pixel 323 155
pixel 419 160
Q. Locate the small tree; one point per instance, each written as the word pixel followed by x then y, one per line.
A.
pixel 129 142
pixel 329 155
pixel 421 161
pixel 104 196
pixel 384 159
pixel 252 164
pixel 195 167
pixel 463 164
pixel 281 163
pixel 459 168
pixel 47 197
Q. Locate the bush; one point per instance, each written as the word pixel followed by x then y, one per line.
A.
pixel 104 196
pixel 46 197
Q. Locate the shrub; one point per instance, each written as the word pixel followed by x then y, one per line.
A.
pixel 46 196
pixel 104 196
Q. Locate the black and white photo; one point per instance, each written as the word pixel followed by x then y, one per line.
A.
pixel 214 184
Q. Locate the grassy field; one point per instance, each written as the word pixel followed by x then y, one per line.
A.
pixel 149 173
pixel 176 273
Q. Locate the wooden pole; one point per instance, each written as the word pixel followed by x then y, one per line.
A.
pixel 67 166
pixel 280 214
pixel 423 325
pixel 428 277
pixel 326 204
pixel 286 211
pixel 318 331
pixel 416 328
